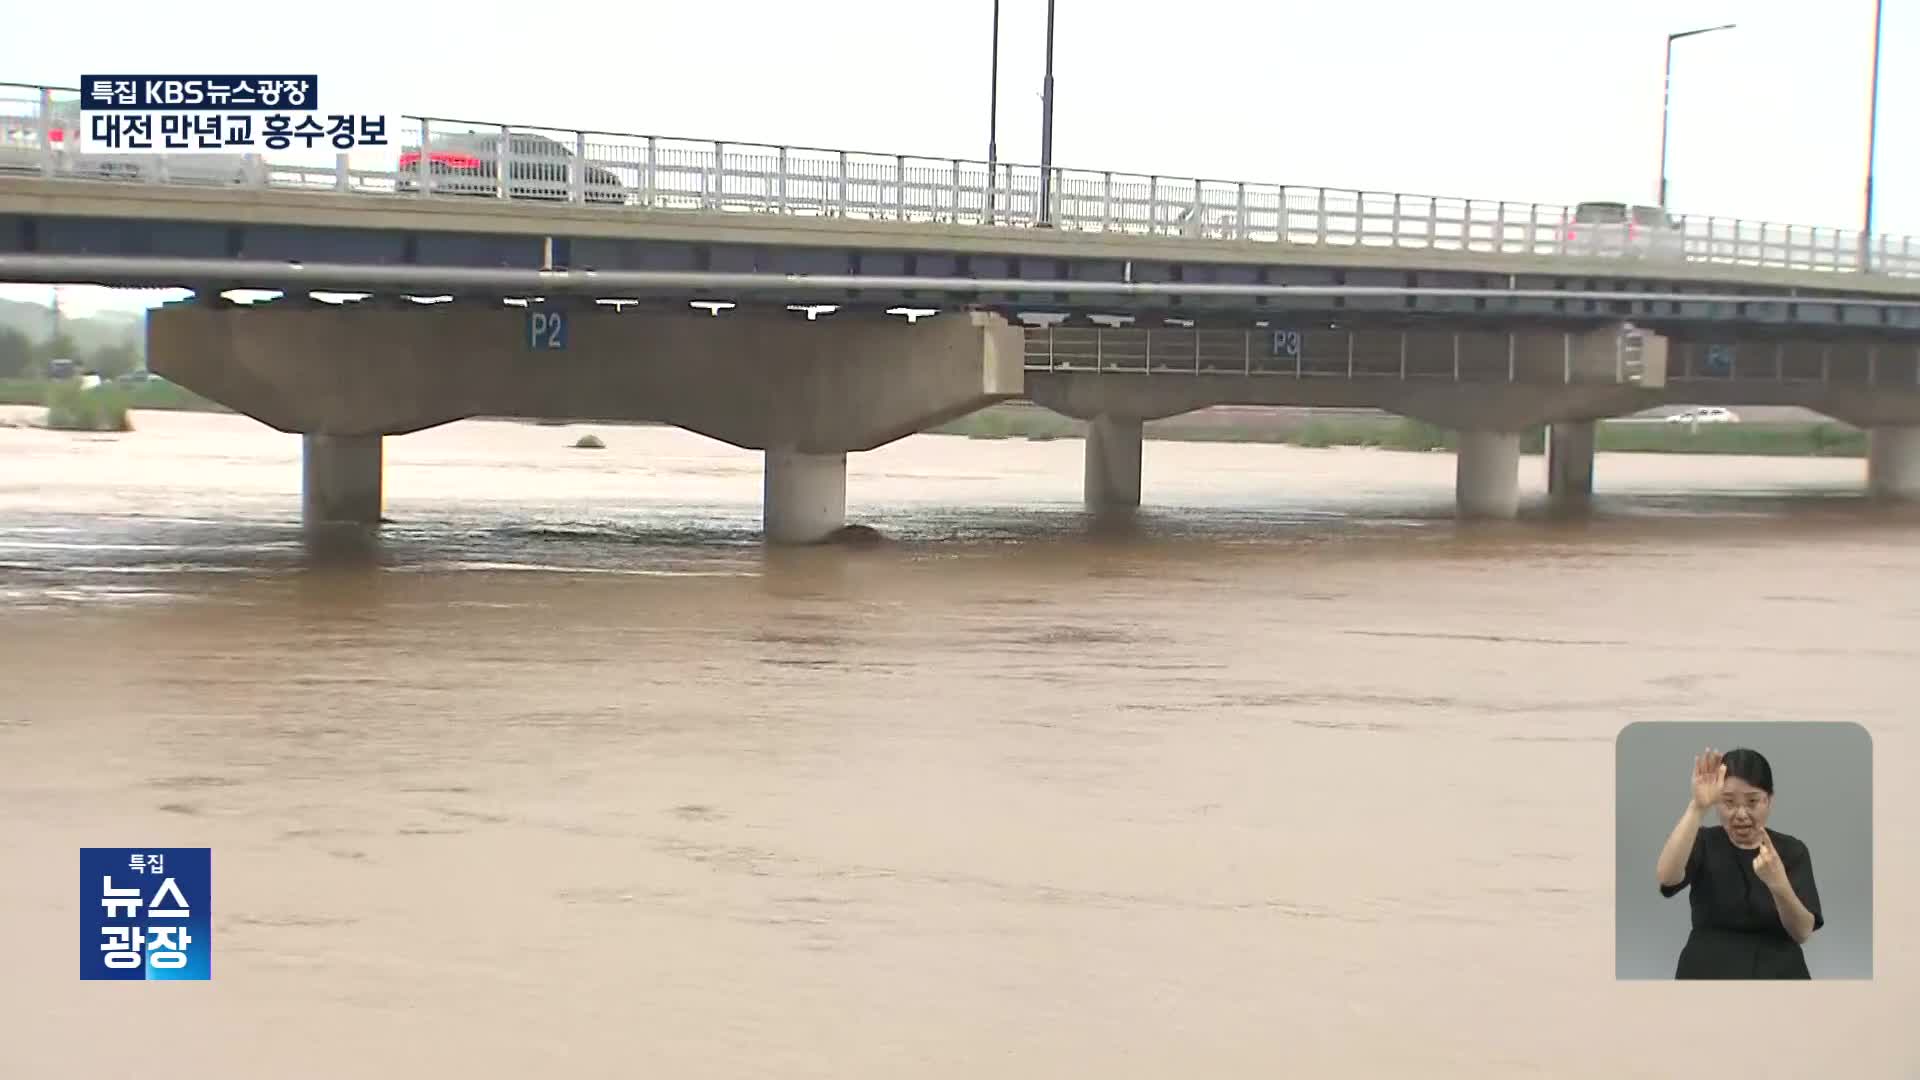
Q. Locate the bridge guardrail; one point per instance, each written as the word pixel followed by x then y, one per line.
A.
pixel 463 159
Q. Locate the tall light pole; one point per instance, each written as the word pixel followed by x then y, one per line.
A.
pixel 993 114
pixel 1046 131
pixel 1873 131
pixel 1666 99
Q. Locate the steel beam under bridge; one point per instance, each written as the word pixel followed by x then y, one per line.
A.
pixel 1473 354
pixel 1252 299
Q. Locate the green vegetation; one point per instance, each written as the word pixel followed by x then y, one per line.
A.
pixel 999 423
pixel 1401 433
pixel 1385 432
pixel 1405 434
pixel 18 353
pixel 110 343
pixel 1823 440
pixel 151 394
pixel 73 408
pixel 109 402
pixel 1316 435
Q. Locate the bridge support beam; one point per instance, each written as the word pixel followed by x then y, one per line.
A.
pixel 1570 446
pixel 805 496
pixel 1893 461
pixel 1113 462
pixel 341 480
pixel 805 392
pixel 1487 474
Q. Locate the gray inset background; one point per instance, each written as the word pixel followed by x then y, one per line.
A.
pixel 1823 794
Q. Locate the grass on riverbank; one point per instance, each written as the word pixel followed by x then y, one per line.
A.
pixel 1401 433
pixel 1022 421
pixel 1773 440
pixel 154 394
pixel 1040 425
pixel 73 408
pixel 1387 432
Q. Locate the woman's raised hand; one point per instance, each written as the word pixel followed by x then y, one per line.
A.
pixel 1709 778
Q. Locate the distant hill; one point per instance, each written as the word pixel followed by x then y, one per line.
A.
pixel 89 334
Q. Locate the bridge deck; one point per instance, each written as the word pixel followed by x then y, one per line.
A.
pixel 586 183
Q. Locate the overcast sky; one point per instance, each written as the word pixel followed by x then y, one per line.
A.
pixel 1548 100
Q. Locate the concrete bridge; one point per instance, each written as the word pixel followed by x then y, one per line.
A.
pixel 460 166
pixel 808 392
pixel 1137 301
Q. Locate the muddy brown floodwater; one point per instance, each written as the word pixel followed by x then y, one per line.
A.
pixel 1293 776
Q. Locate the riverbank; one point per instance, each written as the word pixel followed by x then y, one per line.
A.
pixel 154 394
pixel 1325 428
pixel 1311 428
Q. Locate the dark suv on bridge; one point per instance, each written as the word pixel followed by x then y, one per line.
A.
pixel 537 168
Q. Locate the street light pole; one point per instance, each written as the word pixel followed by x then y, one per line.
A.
pixel 1666 99
pixel 1666 102
pixel 1046 131
pixel 1873 131
pixel 993 115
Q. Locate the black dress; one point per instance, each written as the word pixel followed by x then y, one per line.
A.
pixel 1737 932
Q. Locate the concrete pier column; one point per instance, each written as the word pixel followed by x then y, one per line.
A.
pixel 1113 462
pixel 1893 461
pixel 1570 459
pixel 341 479
pixel 805 497
pixel 1487 474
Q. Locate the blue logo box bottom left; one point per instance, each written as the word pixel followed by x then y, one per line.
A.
pixel 146 913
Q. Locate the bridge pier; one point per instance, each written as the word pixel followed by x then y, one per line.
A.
pixel 1487 474
pixel 341 480
pixel 804 392
pixel 1893 461
pixel 1570 446
pixel 805 496
pixel 1113 462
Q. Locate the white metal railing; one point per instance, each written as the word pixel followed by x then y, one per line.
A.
pixel 660 173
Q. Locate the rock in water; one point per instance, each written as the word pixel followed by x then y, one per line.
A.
pixel 589 442
pixel 855 536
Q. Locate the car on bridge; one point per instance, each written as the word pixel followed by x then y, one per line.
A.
pixel 1623 230
pixel 464 163
pixel 21 152
pixel 1709 414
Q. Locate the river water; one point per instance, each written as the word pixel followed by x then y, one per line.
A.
pixel 1291 776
